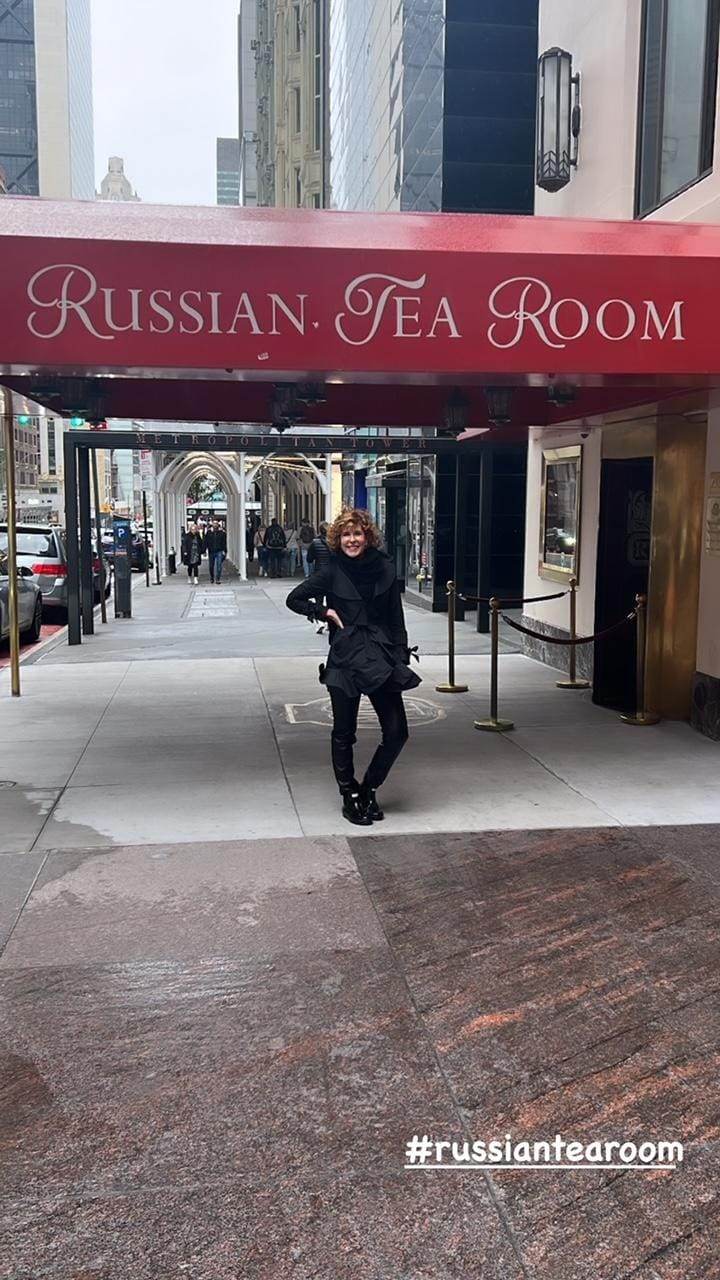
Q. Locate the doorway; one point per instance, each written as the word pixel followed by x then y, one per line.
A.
pixel 623 567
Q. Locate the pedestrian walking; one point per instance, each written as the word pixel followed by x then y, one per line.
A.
pixel 250 539
pixel 216 550
pixel 263 554
pixel 293 550
pixel 275 542
pixel 319 551
pixel 369 653
pixel 193 553
pixel 305 538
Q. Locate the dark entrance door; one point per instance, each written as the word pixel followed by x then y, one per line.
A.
pixel 396 526
pixel 622 573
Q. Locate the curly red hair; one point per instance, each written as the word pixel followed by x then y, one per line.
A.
pixel 353 518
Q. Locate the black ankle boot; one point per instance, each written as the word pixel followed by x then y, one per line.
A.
pixel 354 810
pixel 369 803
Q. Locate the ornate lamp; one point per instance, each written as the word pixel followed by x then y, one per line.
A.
pixel 499 405
pixel 559 118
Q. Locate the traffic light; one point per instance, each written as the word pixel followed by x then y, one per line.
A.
pixel 77 422
pixel 24 419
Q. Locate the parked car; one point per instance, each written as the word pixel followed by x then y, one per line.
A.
pixel 30 603
pixel 41 549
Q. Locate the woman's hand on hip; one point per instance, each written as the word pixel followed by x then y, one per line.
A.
pixel 333 616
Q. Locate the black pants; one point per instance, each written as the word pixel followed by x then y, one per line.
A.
pixel 276 559
pixel 193 570
pixel 388 706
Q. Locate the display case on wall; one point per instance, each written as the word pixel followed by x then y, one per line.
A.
pixel 560 514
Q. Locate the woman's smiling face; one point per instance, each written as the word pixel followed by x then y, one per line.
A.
pixel 353 541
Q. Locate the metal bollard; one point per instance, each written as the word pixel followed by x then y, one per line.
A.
pixel 642 716
pixel 451 686
pixel 493 725
pixel 573 682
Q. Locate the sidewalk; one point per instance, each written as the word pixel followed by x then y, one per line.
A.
pixel 225 1011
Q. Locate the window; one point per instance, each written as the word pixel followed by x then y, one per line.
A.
pixel 296 111
pixel 52 460
pixel 296 28
pixel 316 200
pixel 678 84
pixel 298 188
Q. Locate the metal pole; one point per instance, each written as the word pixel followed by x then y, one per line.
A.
pixel 573 682
pixel 87 592
pixel 71 536
pixel 451 686
pixel 145 540
pixel 13 618
pixel 641 717
pixel 493 725
pixel 98 534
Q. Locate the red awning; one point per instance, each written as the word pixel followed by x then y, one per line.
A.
pixel 388 311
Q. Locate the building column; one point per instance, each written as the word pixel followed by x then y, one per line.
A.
pixel 242 566
pixel 328 488
pixel 705 709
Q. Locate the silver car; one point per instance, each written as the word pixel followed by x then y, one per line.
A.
pixel 29 603
pixel 41 549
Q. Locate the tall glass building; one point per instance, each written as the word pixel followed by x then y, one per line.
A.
pixel 46 110
pixel 432 108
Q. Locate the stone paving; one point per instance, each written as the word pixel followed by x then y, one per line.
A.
pixel 223 1013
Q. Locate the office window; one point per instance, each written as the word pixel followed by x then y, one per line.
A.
pixel 298 188
pixel 52 459
pixel 678 85
pixel 296 111
pixel 316 200
pixel 296 28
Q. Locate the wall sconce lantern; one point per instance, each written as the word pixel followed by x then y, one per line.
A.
pixel 455 415
pixel 558 119
pixel 499 405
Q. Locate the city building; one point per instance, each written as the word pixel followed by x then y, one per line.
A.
pixel 46 110
pixel 290 47
pixel 247 99
pixel 115 185
pixel 228 170
pixel 631 500
pixel 432 108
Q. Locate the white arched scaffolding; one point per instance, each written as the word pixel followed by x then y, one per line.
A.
pixel 172 481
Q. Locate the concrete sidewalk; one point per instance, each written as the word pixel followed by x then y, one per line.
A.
pixel 224 1012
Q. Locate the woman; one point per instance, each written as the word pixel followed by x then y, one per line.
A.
pixel 368 653
pixel 263 554
pixel 192 553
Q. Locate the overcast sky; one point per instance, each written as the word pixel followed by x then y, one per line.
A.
pixel 165 87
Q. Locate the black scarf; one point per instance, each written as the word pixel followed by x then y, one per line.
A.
pixel 363 571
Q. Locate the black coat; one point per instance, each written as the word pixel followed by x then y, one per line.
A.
pixel 215 540
pixel 186 544
pixel 371 648
pixel 319 552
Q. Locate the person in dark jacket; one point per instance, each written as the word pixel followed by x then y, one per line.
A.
pixel 192 553
pixel 319 552
pixel 216 549
pixel 276 542
pixel 369 653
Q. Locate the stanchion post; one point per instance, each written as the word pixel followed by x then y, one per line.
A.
pixel 13 617
pixel 494 725
pixel 98 533
pixel 642 716
pixel 451 686
pixel 573 682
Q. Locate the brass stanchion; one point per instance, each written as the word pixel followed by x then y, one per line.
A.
pixel 13 619
pixel 493 725
pixel 642 716
pixel 451 686
pixel 573 682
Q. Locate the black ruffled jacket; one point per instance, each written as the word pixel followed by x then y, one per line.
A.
pixel 371 648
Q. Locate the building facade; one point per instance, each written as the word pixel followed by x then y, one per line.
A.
pixel 116 185
pixel 432 108
pixel 247 100
pixel 227 166
pixel 291 86
pixel 46 110
pixel 646 512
